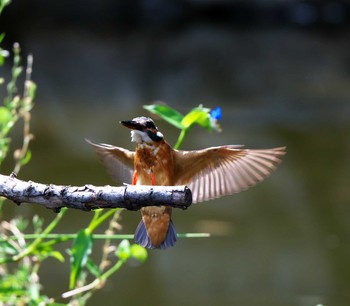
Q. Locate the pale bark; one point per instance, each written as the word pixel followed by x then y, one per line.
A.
pixel 89 197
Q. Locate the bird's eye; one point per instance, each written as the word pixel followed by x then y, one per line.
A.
pixel 150 125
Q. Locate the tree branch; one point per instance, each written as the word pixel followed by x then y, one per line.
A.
pixel 89 197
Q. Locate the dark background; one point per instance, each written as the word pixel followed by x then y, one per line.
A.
pixel 280 70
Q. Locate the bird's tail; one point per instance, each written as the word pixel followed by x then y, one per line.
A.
pixel 141 237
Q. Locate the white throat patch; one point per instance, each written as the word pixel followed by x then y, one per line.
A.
pixel 139 136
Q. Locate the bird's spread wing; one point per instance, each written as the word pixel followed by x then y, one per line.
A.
pixel 219 171
pixel 118 161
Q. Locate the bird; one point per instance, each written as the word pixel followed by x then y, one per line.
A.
pixel 209 173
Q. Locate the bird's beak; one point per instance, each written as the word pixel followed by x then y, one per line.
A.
pixel 132 124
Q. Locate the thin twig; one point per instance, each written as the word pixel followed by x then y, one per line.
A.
pixel 24 112
pixel 65 237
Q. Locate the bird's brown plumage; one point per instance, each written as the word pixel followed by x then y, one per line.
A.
pixel 209 173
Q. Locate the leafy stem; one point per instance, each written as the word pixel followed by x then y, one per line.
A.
pixel 181 139
pixel 203 116
pixel 98 219
pixel 33 246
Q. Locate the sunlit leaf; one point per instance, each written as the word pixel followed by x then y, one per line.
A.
pixel 199 115
pixel 169 114
pixel 80 252
pixel 138 252
pixel 57 255
pixel 4 3
pixel 5 115
pixel 3 55
pixel 16 72
pixel 123 252
pixel 45 250
pixel 2 59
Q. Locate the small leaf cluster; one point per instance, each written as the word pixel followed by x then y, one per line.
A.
pixel 203 116
pixel 81 261
pixel 17 106
pixel 21 255
pixel 22 285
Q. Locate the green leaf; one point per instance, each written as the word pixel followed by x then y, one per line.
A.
pixel 5 115
pixel 45 250
pixel 199 115
pixel 57 255
pixel 80 252
pixel 31 90
pixel 26 159
pixel 2 59
pixel 4 3
pixel 169 114
pixel 138 252
pixel 16 72
pixel 93 268
pixel 7 248
pixel 123 252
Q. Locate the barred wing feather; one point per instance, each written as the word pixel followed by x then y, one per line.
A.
pixel 118 161
pixel 219 171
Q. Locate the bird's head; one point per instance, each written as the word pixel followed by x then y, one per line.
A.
pixel 143 130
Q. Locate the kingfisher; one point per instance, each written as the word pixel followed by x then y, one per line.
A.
pixel 209 173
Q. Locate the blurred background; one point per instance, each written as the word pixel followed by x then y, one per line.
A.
pixel 280 70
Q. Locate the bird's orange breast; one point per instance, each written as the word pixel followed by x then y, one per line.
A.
pixel 154 164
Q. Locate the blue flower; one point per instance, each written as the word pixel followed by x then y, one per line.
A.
pixel 215 116
pixel 216 113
